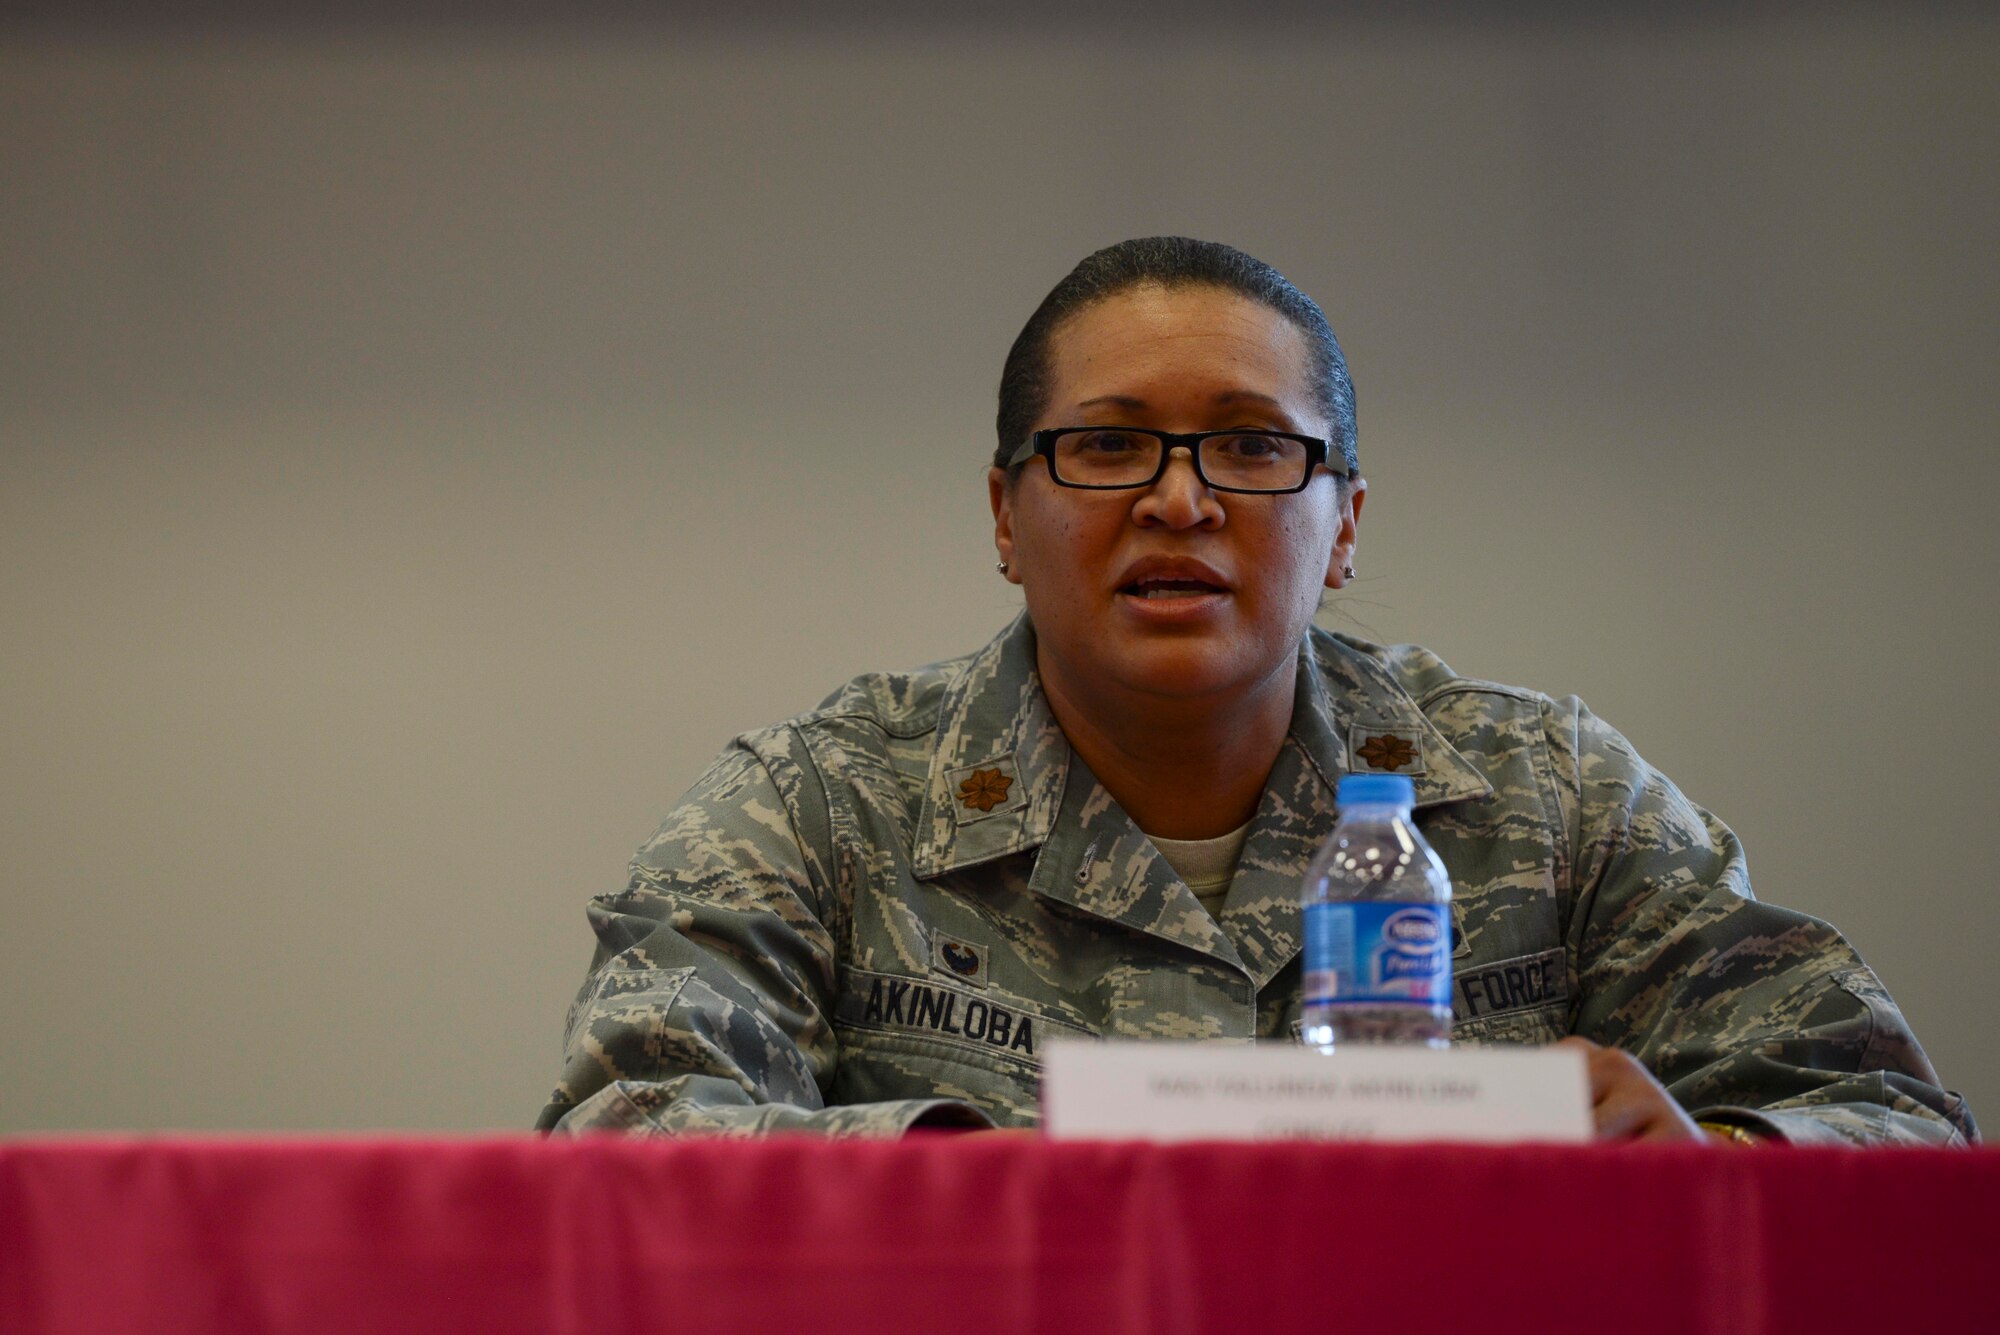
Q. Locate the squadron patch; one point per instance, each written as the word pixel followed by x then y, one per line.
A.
pixel 991 788
pixel 1526 982
pixel 1378 749
pixel 958 960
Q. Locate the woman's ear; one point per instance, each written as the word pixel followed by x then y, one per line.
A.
pixel 1340 564
pixel 1002 498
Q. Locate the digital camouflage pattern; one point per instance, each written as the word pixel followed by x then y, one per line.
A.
pixel 878 914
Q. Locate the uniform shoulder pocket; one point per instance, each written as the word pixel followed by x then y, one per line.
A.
pixel 1886 1031
pixel 624 1012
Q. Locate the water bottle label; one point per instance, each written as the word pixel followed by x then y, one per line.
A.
pixel 1377 952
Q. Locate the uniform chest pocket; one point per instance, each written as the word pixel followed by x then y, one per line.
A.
pixel 1532 1028
pixel 875 1067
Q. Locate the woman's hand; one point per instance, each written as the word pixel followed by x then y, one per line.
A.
pixel 1627 1103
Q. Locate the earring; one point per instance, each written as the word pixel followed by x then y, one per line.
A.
pixel 1000 566
pixel 1347 572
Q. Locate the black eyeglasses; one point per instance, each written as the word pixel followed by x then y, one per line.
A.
pixel 1108 458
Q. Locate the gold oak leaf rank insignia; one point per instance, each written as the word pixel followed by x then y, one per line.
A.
pixel 985 790
pixel 1387 752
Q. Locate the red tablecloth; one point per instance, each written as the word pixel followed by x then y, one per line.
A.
pixel 940 1234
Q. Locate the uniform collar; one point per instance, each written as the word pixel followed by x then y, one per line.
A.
pixel 1004 780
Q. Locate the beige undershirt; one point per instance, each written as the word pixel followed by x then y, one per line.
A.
pixel 1207 865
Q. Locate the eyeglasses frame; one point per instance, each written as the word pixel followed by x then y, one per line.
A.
pixel 1318 452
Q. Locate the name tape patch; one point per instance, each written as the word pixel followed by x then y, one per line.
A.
pixel 916 1006
pixel 1526 982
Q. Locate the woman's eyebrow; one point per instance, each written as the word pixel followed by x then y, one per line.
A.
pixel 1248 396
pixel 1227 396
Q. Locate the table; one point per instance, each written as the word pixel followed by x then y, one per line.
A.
pixel 937 1233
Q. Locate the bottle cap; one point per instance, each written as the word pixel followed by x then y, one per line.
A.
pixel 1376 790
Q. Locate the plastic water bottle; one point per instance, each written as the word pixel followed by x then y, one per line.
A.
pixel 1377 925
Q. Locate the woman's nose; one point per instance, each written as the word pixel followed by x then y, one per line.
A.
pixel 1180 499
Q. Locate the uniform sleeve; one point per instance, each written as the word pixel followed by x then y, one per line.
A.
pixel 706 1008
pixel 1747 1013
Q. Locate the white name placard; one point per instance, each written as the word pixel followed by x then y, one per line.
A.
pixel 1279 1091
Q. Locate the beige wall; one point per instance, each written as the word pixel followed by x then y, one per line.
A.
pixel 420 449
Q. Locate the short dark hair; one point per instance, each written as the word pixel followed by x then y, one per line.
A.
pixel 1171 262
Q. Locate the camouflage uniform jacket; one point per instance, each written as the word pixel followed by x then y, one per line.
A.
pixel 879 913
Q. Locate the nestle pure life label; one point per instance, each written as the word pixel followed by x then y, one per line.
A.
pixel 1372 952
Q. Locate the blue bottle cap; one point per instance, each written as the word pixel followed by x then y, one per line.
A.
pixel 1383 790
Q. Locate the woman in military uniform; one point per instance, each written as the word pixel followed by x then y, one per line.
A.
pixel 875 916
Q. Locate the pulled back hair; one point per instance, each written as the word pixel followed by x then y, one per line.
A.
pixel 1171 262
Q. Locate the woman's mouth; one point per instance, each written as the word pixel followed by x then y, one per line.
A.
pixel 1173 602
pixel 1152 589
